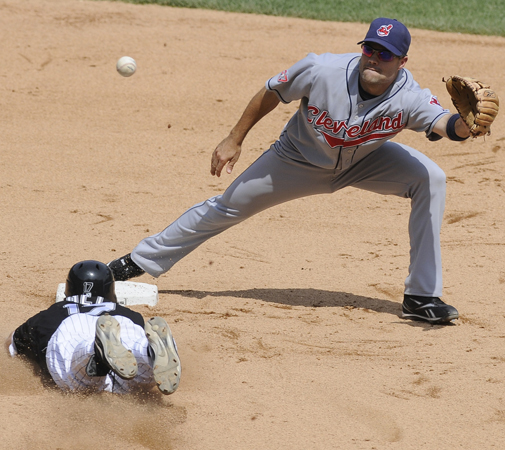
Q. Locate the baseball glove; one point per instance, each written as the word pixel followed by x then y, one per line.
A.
pixel 475 101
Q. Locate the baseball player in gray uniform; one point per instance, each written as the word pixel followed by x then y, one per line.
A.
pixel 351 106
pixel 89 342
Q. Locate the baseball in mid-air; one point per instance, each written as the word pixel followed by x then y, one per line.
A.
pixel 126 66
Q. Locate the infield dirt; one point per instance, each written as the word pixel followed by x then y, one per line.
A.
pixel 288 325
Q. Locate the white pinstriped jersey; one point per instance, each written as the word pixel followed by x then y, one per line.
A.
pixel 334 127
pixel 61 339
pixel 72 344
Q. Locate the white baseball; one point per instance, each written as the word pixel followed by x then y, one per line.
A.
pixel 126 66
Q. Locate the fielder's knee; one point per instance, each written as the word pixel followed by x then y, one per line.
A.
pixel 437 179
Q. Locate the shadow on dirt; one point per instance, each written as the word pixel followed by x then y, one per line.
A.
pixel 311 298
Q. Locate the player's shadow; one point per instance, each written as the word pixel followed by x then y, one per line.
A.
pixel 311 298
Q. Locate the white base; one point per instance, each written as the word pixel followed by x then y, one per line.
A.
pixel 127 292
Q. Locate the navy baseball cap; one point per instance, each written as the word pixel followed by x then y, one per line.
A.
pixel 389 33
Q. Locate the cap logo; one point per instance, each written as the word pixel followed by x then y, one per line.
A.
pixel 384 30
pixel 86 288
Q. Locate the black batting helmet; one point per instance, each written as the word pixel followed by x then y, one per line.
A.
pixel 91 278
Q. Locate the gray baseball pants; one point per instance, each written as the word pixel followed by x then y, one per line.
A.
pixel 393 169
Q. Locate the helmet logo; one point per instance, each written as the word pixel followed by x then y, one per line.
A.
pixel 384 30
pixel 86 288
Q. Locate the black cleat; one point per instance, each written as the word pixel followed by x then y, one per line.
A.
pixel 430 309
pixel 124 268
pixel 96 367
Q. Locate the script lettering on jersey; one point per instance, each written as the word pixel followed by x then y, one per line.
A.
pixel 351 136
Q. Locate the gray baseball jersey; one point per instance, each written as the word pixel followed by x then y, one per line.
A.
pixel 339 137
pixel 332 116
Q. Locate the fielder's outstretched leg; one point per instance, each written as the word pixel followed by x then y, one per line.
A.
pixel 272 179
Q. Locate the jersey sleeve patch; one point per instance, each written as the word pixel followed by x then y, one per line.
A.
pixel 434 101
pixel 283 77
